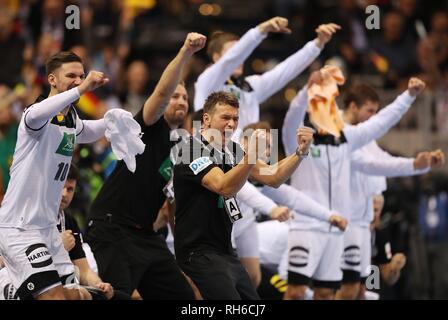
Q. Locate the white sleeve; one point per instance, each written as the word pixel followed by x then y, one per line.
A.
pixel 253 198
pixel 389 167
pixel 296 200
pixel 379 124
pixel 89 130
pixel 38 115
pixel 216 75
pixel 272 81
pixel 293 119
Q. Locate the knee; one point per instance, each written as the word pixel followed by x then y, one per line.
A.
pixel 255 278
pixel 79 293
pixel 295 292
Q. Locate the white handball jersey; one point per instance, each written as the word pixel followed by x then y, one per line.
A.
pixel 253 90
pixel 325 175
pixel 40 166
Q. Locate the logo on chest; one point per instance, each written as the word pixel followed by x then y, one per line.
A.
pixel 67 145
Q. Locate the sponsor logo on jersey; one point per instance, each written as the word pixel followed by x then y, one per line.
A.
pixel 9 292
pixel 315 152
pixel 67 145
pixel 38 255
pixel 200 164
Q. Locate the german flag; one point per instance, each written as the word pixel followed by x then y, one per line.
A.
pixel 89 104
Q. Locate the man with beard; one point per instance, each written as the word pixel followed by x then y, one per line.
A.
pixel 129 254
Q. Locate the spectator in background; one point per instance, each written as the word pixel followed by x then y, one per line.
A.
pixel 384 256
pixel 136 86
pixel 395 49
pixel 11 49
pixel 48 16
pixel 8 135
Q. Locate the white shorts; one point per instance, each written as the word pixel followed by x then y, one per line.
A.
pixel 7 290
pixel 315 255
pixel 357 253
pixel 246 242
pixel 36 260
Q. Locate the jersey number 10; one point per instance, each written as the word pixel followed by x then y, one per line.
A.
pixel 62 171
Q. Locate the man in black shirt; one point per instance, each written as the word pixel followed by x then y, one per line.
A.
pixel 130 255
pixel 210 169
pixel 389 263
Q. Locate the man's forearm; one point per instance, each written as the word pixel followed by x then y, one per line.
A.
pixel 234 179
pixel 156 104
pixel 276 174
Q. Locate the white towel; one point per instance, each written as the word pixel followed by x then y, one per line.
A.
pixel 124 134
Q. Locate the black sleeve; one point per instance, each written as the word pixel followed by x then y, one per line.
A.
pixel 195 166
pixel 77 252
pixel 191 173
pixel 147 129
pixel 383 250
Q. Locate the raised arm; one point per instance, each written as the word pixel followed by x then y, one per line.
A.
pixel 276 174
pixel 293 120
pixel 216 75
pixel 156 104
pixel 390 166
pixel 38 115
pixel 272 81
pixel 90 130
pixel 379 124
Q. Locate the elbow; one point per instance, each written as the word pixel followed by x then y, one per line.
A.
pixel 226 193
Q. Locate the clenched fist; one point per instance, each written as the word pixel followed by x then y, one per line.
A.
pixel 325 33
pixel 416 86
pixel 422 160
pixel 280 213
pixel 257 148
pixel 338 221
pixel 277 25
pixel 304 138
pixel 194 42
pixel 94 79
pixel 68 239
pixel 437 158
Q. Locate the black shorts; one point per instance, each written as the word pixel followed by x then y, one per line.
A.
pixel 131 259
pixel 219 276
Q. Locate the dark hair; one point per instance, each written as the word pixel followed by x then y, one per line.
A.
pixel 360 94
pixel 73 173
pixel 220 97
pixel 217 41
pixel 58 59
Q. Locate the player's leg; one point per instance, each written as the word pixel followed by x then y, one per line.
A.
pixel 328 275
pixel 351 264
pixel 304 252
pixel 29 263
pixel 247 249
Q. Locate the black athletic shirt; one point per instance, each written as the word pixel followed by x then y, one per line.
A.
pixel 202 224
pixel 382 250
pixel 134 199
